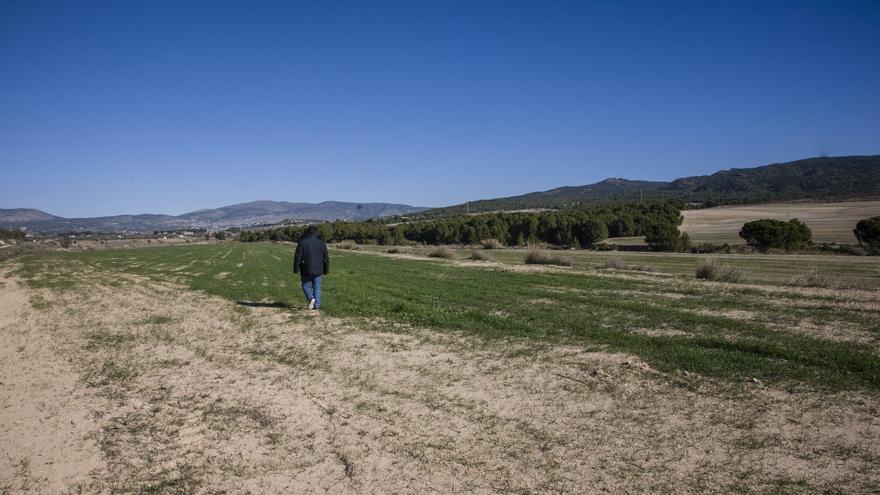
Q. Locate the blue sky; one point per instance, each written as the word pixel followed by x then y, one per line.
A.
pixel 168 107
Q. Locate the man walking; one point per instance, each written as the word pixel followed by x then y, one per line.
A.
pixel 311 261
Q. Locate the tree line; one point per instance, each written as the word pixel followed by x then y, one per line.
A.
pixel 658 221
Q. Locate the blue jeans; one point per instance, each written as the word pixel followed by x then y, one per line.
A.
pixel 312 288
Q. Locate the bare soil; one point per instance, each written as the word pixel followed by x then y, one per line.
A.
pixel 148 387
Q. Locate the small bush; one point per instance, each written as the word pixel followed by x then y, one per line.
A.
pixel 394 250
pixel 441 252
pixel 614 263
pixel 347 244
pixel 478 255
pixel 719 272
pixel 491 244
pixel 537 256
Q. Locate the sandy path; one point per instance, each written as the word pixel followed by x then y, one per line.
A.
pixel 188 393
pixel 45 416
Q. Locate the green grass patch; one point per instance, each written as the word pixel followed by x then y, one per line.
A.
pixel 156 320
pixel 103 339
pixel 39 303
pixel 112 372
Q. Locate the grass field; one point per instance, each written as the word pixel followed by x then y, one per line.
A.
pixel 587 309
pixel 199 371
pixel 769 269
pixel 830 222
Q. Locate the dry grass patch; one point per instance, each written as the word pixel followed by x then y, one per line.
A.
pixel 537 256
pixel 719 272
pixel 814 278
pixel 478 255
pixel 347 244
pixel 441 252
pixel 491 244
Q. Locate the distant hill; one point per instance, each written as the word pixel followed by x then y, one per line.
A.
pixel 826 178
pixel 841 177
pixel 25 215
pixel 240 215
pixel 561 197
pixel 258 212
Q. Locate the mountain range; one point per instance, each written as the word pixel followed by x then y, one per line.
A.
pixel 821 178
pixel 240 215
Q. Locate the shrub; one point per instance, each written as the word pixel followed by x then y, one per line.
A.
pixel 720 272
pixel 220 235
pixel 537 256
pixel 491 244
pixel 614 263
pixel 347 244
pixel 394 250
pixel 868 233
pixel 766 233
pixel 441 252
pixel 478 255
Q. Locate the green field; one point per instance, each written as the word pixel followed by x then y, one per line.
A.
pixel 674 323
pixel 769 269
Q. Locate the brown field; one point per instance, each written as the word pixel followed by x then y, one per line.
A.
pixel 830 222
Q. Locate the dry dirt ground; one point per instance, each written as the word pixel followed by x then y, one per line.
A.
pixel 143 387
pixel 830 222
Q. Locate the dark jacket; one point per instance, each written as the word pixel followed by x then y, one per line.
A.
pixel 311 258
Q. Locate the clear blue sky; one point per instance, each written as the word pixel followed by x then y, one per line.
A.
pixel 168 107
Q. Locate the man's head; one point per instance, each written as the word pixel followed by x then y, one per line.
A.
pixel 311 230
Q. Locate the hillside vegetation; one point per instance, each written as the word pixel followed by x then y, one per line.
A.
pixel 843 177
